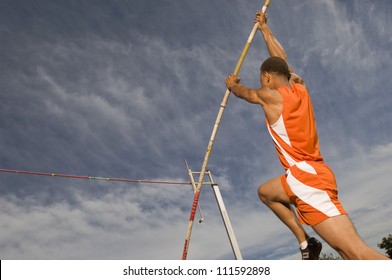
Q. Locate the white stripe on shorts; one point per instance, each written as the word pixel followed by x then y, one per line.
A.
pixel 314 197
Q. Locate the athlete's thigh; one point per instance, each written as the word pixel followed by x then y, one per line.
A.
pixel 339 232
pixel 273 190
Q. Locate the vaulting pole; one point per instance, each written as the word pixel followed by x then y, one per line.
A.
pixel 213 135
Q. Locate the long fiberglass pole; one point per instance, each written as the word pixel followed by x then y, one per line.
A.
pixel 213 135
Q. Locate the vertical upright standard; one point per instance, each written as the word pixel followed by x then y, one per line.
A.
pixel 223 212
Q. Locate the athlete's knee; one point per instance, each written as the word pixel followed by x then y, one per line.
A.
pixel 270 191
pixel 263 193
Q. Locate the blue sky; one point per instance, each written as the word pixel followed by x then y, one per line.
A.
pixel 130 89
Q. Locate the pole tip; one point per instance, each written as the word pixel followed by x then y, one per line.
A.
pixel 266 4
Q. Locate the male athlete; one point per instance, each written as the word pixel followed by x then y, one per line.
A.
pixel 309 184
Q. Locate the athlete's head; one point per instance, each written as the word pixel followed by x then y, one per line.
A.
pixel 276 65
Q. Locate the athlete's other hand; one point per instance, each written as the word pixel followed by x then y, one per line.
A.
pixel 295 79
pixel 232 80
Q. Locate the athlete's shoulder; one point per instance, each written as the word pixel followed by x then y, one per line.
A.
pixel 301 87
pixel 268 95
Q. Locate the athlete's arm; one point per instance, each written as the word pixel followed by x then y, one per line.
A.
pixel 273 45
pixel 262 96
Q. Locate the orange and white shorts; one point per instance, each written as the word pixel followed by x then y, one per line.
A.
pixel 311 186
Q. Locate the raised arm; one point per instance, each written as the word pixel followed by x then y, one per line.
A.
pixel 273 45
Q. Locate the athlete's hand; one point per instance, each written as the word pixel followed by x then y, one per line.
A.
pixel 261 19
pixel 232 80
pixel 295 79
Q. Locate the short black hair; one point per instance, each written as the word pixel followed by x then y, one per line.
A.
pixel 277 65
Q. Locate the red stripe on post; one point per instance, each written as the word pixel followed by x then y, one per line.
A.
pixel 194 206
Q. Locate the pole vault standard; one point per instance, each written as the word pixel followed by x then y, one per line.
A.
pixel 213 135
pixel 222 209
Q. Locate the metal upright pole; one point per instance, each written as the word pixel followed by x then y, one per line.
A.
pixel 226 220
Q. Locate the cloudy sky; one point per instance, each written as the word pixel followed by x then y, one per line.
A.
pixel 129 89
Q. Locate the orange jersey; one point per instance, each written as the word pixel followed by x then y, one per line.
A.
pixel 309 183
pixel 295 134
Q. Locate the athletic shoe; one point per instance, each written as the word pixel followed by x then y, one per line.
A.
pixel 313 250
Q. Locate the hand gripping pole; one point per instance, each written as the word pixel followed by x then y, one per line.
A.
pixel 213 135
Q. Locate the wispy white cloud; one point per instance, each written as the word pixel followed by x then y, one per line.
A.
pixel 129 223
pixel 149 222
pixel 129 98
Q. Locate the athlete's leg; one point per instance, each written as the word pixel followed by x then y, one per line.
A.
pixel 340 233
pixel 273 195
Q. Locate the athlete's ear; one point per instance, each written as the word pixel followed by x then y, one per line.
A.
pixel 264 78
pixel 267 76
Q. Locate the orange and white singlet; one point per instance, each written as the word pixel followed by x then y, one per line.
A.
pixel 308 182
